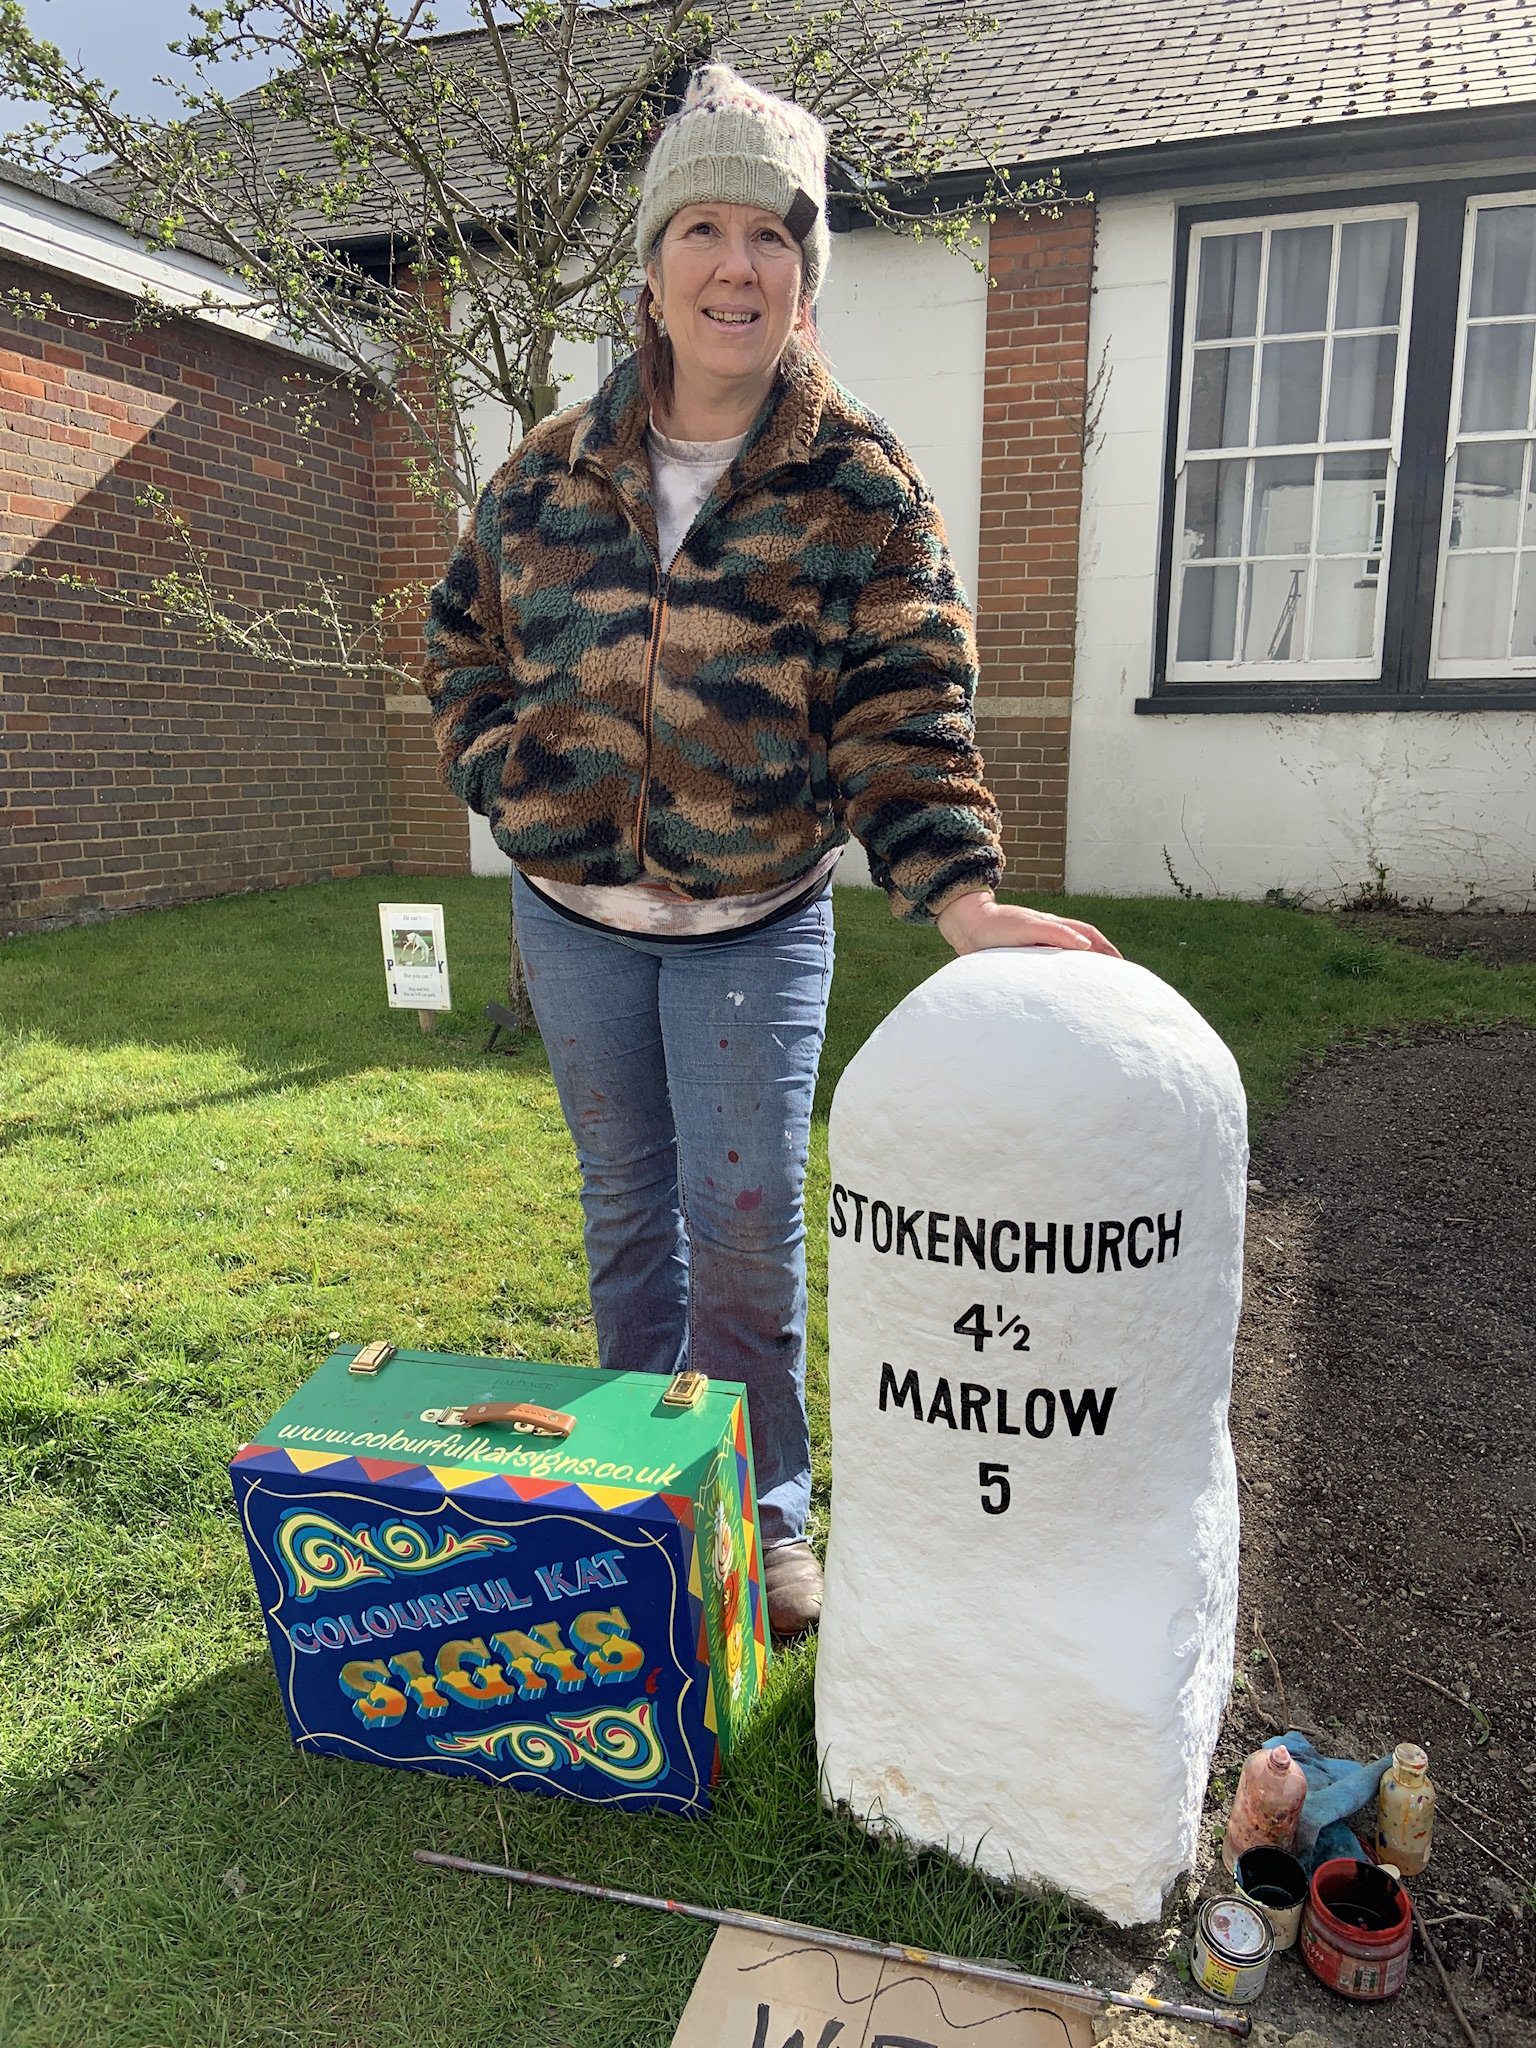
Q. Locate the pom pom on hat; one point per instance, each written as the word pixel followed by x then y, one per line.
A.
pixel 732 143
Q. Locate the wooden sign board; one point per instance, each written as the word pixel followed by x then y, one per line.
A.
pixel 761 1991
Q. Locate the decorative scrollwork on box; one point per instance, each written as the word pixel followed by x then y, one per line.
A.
pixel 620 1742
pixel 322 1555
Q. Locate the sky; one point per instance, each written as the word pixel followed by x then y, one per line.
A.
pixel 124 43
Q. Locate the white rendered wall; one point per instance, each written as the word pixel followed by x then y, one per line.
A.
pixel 904 324
pixel 1251 801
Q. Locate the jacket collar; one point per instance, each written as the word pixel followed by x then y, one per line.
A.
pixel 610 432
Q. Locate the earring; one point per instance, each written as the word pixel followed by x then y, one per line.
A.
pixel 661 325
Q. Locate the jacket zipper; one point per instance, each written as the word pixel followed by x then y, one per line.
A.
pixel 648 699
pixel 653 647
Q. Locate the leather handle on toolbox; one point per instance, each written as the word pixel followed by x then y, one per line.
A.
pixel 519 1415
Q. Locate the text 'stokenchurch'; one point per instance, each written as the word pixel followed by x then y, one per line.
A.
pixel 1038 1167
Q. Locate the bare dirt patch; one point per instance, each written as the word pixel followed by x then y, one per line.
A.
pixel 1492 938
pixel 1382 1419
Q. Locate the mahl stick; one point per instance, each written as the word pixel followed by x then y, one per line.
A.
pixel 1237 2024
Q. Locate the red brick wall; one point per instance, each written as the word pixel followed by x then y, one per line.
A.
pixel 1031 498
pixel 137 765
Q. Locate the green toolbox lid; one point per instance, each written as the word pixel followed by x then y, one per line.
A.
pixel 626 1435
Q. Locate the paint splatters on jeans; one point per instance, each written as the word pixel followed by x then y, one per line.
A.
pixel 749 1198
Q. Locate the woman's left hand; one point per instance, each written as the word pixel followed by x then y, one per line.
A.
pixel 974 922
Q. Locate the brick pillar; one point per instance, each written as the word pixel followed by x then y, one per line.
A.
pixel 429 825
pixel 1031 501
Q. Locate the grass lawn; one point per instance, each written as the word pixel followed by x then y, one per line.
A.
pixel 218 1149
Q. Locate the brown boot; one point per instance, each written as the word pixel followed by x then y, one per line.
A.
pixel 792 1581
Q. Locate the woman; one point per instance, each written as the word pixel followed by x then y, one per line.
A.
pixel 699 630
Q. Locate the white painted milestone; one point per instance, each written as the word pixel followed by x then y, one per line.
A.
pixel 1038 1168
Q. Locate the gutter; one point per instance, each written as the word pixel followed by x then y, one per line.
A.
pixel 41 227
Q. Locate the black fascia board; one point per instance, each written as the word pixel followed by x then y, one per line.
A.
pixel 1407 142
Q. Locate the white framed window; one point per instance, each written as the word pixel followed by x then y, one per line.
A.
pixel 1289 435
pixel 1485 610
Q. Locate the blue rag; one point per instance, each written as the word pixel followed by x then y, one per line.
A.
pixel 1336 1787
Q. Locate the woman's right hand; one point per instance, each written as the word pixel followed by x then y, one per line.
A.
pixel 973 923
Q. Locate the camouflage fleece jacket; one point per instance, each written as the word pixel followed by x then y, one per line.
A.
pixel 803 670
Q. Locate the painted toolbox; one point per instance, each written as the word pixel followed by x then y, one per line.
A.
pixel 574 1613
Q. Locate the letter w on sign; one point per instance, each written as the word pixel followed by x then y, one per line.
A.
pixel 763 1991
pixel 767 2035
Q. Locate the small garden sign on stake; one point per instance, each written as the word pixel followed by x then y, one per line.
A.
pixel 415 959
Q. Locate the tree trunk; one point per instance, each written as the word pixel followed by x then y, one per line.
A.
pixel 545 395
pixel 518 1000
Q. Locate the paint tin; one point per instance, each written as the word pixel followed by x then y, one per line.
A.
pixel 1276 1883
pixel 1356 1929
pixel 1233 1945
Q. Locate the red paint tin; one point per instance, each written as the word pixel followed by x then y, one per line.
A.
pixel 1356 1930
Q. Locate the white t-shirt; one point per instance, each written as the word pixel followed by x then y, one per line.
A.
pixel 683 474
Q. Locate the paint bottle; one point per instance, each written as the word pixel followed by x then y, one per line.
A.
pixel 1356 1929
pixel 1268 1804
pixel 1405 1811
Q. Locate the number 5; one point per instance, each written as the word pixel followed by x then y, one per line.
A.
pixel 995 1475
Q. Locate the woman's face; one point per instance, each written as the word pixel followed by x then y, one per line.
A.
pixel 726 279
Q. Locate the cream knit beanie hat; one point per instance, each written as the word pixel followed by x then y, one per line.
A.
pixel 730 142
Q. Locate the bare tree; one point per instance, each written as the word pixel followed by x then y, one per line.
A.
pixel 435 212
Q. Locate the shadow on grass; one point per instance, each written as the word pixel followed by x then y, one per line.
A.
pixel 292 983
pixel 25 1130
pixel 197 1879
pixel 278 978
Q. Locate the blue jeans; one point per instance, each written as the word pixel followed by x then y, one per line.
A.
pixel 686 1074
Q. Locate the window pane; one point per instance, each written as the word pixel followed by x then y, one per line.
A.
pixel 1496 389
pixel 1524 648
pixel 1213 509
pixel 1475 620
pixel 1352 516
pixel 1276 608
pixel 1360 388
pixel 1504 261
pixel 1290 392
pixel 1485 501
pixel 1281 522
pixel 1294 347
pixel 1344 610
pixel 1208 614
pixel 1296 296
pixel 1219 397
pixel 1229 286
pixel 1370 273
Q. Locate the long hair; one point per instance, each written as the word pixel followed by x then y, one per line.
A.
pixel 653 352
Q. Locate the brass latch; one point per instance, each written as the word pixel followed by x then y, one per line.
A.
pixel 371 1357
pixel 685 1390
